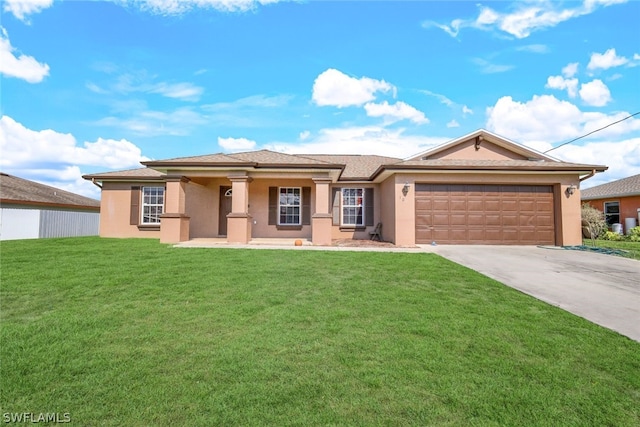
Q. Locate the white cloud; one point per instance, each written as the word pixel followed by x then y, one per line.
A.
pixel 606 60
pixel 22 67
pixel 177 7
pixel 453 124
pixel 144 122
pixel 334 88
pixel 559 82
pixel 595 93
pixel 534 48
pixel 570 70
pixel 621 156
pixel 304 135
pixel 395 112
pixel 525 19
pixel 236 144
pixel 443 99
pixel 545 120
pixel 466 110
pixel 21 8
pixel 183 91
pixel 361 140
pixel 55 158
pixel 489 68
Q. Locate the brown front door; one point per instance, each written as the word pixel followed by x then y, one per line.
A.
pixel 485 214
pixel 225 209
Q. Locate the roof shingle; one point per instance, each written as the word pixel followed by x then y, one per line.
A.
pixel 629 186
pixel 19 190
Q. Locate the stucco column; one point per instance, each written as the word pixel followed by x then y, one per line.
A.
pixel 174 223
pixel 239 220
pixel 321 219
pixel 568 214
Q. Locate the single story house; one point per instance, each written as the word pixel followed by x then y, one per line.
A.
pixel 29 210
pixel 619 200
pixel 477 189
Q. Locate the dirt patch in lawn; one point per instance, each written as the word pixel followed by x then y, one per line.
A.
pixel 354 243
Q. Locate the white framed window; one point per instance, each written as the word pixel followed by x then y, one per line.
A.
pixel 289 205
pixel 152 204
pixel 353 207
pixel 612 212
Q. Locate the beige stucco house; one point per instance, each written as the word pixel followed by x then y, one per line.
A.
pixel 477 189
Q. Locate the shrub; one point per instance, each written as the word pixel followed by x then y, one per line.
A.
pixel 634 234
pixel 593 223
pixel 610 235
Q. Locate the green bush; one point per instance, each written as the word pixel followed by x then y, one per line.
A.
pixel 634 234
pixel 610 235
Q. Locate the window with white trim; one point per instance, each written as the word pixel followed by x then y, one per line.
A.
pixel 152 204
pixel 612 212
pixel 289 205
pixel 353 207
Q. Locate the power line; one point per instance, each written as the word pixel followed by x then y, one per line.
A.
pixel 592 132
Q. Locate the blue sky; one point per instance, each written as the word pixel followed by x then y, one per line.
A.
pixel 92 86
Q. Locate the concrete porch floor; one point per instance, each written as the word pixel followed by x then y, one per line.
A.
pixel 209 242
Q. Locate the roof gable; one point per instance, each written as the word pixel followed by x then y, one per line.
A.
pixel 481 145
pixel 624 187
pixel 22 191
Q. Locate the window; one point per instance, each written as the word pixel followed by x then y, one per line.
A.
pixel 289 205
pixel 353 206
pixel 612 212
pixel 152 204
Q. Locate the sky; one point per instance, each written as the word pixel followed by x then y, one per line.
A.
pixel 97 86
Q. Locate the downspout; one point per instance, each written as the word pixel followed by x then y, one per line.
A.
pixel 593 172
pixel 93 181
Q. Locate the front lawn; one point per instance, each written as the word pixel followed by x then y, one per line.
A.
pixel 627 248
pixel 132 332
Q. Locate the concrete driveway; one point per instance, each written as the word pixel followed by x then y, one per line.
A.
pixel 604 289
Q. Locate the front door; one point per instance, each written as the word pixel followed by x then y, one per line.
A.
pixel 225 209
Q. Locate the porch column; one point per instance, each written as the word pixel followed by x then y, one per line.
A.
pixel 174 223
pixel 321 220
pixel 239 220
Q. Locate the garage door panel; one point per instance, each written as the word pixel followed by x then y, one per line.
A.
pixel 484 214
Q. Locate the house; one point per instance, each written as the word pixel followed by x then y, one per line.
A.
pixel 29 210
pixel 477 189
pixel 619 200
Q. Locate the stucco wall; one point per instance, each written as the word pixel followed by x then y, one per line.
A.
pixel 259 208
pixel 387 200
pixel 115 210
pixel 201 205
pixel 346 233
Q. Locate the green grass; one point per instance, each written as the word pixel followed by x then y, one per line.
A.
pixel 629 249
pixel 132 332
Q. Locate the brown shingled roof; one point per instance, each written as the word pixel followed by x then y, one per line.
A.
pixel 629 186
pixel 356 166
pixel 22 191
pixel 258 158
pixel 140 173
pixel 493 164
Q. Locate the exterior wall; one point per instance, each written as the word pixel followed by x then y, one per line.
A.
pixel 567 208
pixel 259 208
pixel 360 234
pixel 115 210
pixel 202 208
pixel 387 201
pixel 486 151
pixel 628 207
pixel 18 222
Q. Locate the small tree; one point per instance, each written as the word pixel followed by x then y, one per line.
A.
pixel 593 221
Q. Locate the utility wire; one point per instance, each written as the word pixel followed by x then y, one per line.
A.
pixel 592 132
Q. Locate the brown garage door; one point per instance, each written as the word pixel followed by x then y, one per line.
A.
pixel 485 214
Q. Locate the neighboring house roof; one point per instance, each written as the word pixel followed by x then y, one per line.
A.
pixel 624 187
pixel 21 191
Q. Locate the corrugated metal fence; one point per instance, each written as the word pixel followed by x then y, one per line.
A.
pixel 68 223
